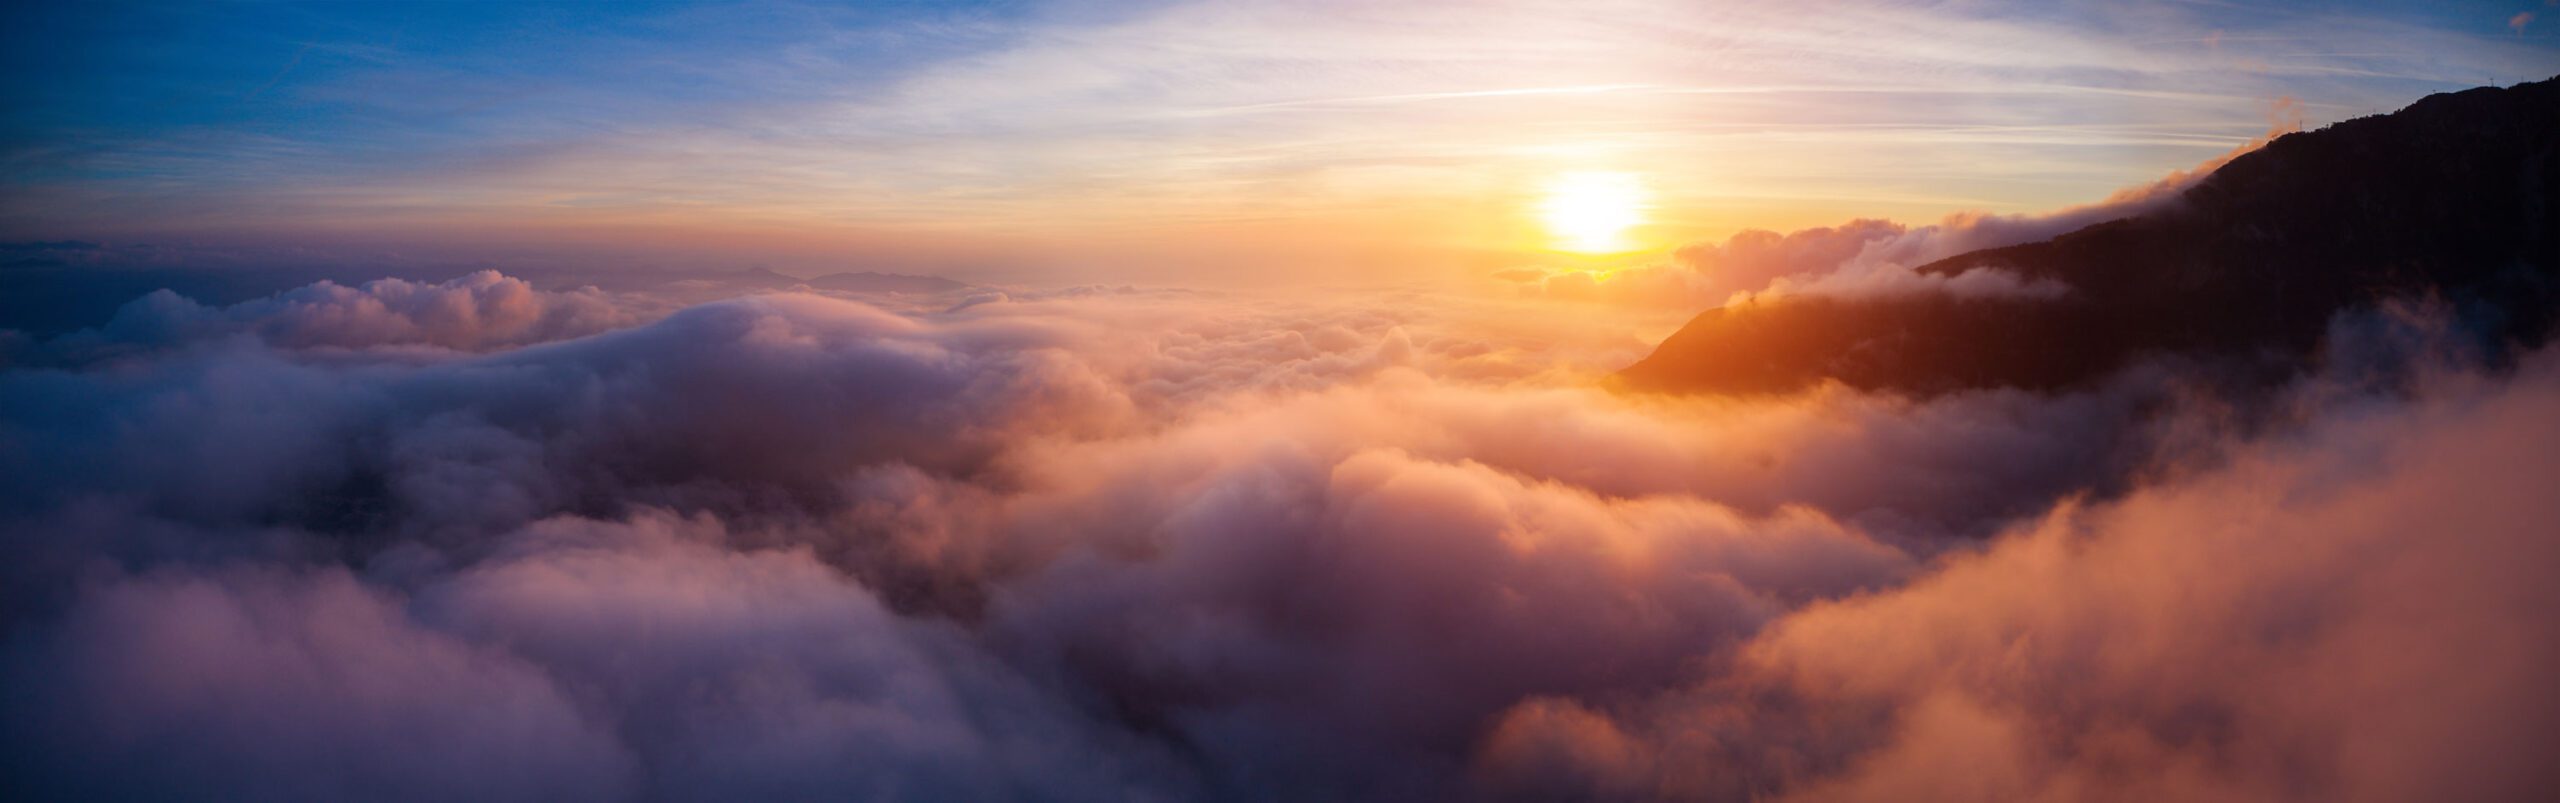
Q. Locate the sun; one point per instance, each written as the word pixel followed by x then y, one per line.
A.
pixel 1590 211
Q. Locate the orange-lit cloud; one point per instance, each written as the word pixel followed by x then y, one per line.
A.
pixel 2274 628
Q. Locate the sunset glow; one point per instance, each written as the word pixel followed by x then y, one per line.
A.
pixel 1158 401
pixel 1590 212
pixel 1031 141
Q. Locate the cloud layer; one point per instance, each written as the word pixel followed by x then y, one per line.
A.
pixel 2347 612
pixel 480 540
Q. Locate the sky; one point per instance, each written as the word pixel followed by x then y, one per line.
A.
pixel 1202 143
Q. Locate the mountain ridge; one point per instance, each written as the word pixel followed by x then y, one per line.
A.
pixel 2453 198
pixel 850 281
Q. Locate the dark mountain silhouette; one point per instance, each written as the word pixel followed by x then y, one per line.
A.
pixel 2455 198
pixel 762 277
pixel 869 282
pixel 863 282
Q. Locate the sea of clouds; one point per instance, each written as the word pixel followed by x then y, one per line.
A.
pixel 479 540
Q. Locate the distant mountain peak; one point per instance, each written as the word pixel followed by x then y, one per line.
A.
pixel 2456 197
pixel 850 282
pixel 876 282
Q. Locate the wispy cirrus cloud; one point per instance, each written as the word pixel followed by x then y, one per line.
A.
pixel 1407 122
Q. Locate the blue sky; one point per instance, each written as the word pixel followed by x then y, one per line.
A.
pixel 1014 130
